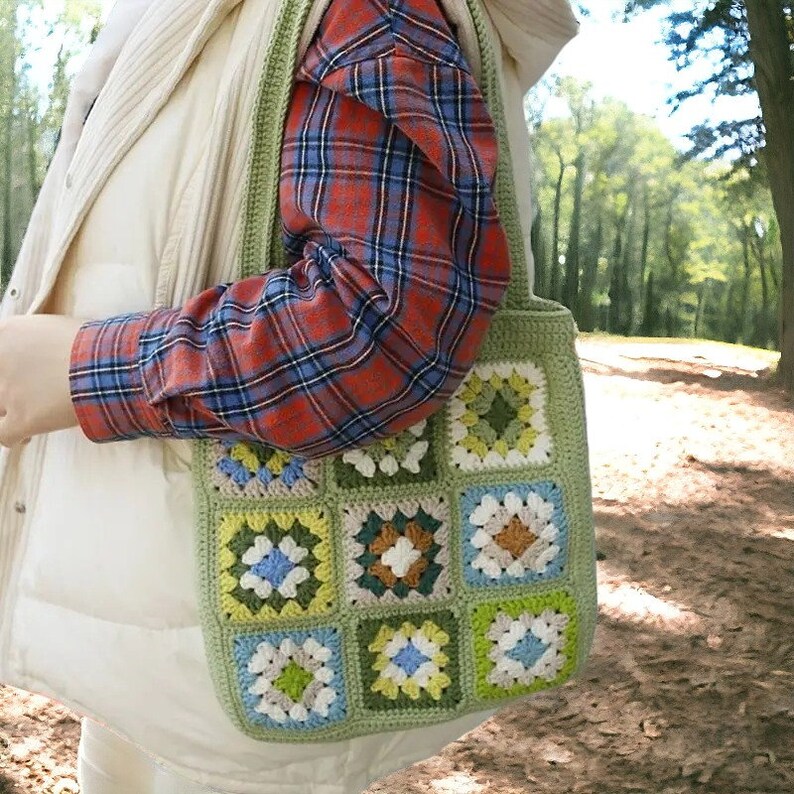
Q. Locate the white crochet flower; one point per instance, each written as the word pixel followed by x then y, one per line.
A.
pixel 405 450
pixel 527 647
pixel 401 556
pixel 310 659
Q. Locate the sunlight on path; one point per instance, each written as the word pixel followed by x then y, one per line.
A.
pixel 623 600
pixel 457 784
pixel 713 356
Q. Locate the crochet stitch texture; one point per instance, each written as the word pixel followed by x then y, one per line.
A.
pixel 442 571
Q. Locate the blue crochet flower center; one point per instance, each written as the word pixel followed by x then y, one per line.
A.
pixel 527 650
pixel 410 659
pixel 274 568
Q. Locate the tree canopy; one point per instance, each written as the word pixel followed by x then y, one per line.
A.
pixel 749 44
pixel 660 244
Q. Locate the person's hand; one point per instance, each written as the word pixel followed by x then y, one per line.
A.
pixel 35 352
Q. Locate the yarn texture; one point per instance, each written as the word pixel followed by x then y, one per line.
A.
pixel 443 571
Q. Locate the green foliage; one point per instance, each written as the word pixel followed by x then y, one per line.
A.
pixel 658 239
pixel 634 237
pixel 30 113
pixel 748 46
pixel 717 32
pixel 77 12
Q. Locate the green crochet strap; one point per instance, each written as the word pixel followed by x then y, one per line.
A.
pixel 518 295
pixel 262 245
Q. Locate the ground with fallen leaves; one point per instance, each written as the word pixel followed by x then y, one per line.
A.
pixel 690 685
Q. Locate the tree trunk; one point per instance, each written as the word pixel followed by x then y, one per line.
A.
pixel 730 327
pixel 7 263
pixel 33 161
pixel 701 309
pixel 627 302
pixel 746 281
pixel 554 269
pixel 673 314
pixel 570 296
pixel 539 253
pixel 650 318
pixel 587 320
pixel 773 275
pixel 613 316
pixel 771 54
pixel 620 308
pixel 646 240
pixel 763 332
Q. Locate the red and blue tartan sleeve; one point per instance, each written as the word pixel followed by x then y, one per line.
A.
pixel 397 261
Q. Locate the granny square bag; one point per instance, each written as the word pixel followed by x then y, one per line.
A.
pixel 445 570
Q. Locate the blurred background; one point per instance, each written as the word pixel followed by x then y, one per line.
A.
pixel 42 45
pixel 654 210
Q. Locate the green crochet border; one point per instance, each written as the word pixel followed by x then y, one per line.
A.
pixel 523 324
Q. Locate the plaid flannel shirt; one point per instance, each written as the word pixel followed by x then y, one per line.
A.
pixel 397 261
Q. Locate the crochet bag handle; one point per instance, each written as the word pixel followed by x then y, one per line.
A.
pixel 519 293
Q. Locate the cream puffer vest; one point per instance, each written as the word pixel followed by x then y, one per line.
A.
pixel 98 598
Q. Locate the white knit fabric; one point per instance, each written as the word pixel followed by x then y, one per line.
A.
pixel 123 18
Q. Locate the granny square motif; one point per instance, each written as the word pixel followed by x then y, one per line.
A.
pixel 292 680
pixel 439 572
pixel 397 552
pixel 410 662
pixel 497 418
pixel 274 564
pixel 513 534
pixel 524 645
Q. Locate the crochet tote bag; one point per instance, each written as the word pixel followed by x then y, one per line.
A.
pixel 446 570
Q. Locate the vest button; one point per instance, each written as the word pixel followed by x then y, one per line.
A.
pixel 13 292
pixel 69 181
pixel 19 507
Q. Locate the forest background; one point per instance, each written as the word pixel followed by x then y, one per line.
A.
pixel 638 231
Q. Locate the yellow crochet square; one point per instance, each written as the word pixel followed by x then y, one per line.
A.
pixel 274 565
pixel 497 418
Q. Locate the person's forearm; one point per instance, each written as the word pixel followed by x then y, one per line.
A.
pixel 297 359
